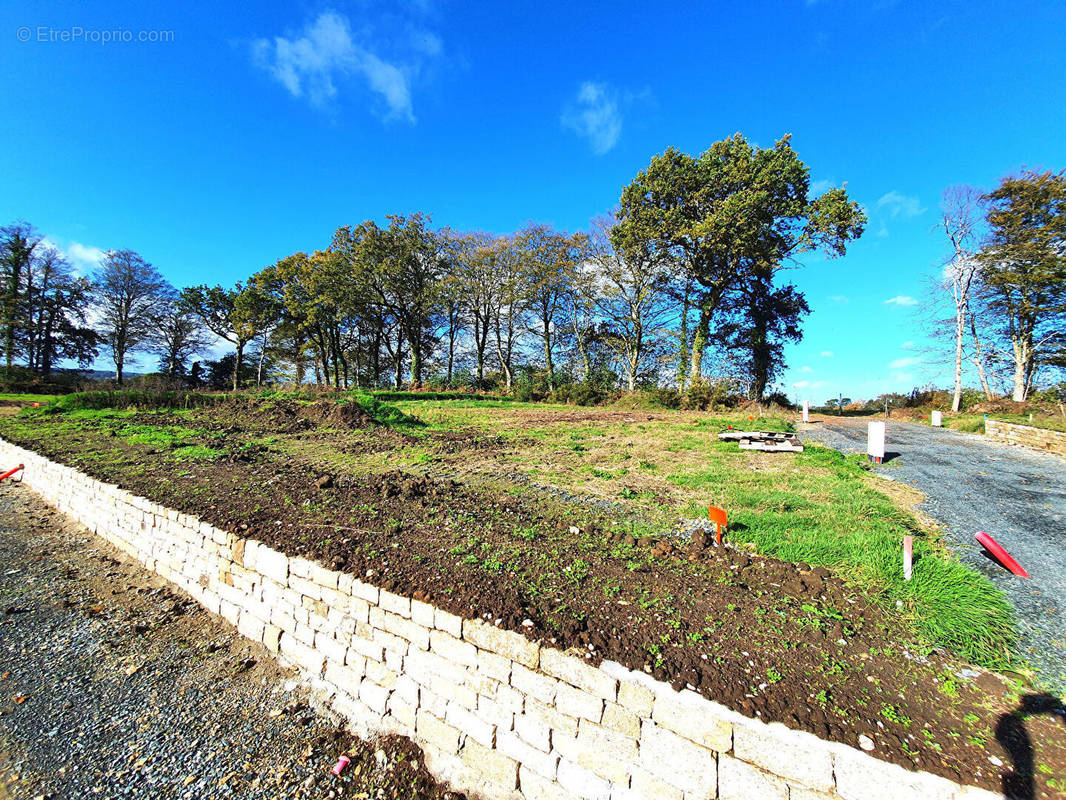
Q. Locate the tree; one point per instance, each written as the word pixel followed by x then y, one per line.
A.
pixel 235 315
pixel 630 293
pixel 17 243
pixel 733 210
pixel 1023 269
pixel 52 317
pixel 548 261
pixel 179 335
pixel 959 217
pixel 476 274
pixel 130 296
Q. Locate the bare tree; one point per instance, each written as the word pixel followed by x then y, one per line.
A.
pixel 179 335
pixel 959 218
pixel 130 297
pixel 631 295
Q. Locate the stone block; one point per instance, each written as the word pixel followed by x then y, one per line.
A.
pixel 863 777
pixel 395 604
pixel 470 724
pixel 579 703
pixel 694 717
pixel 272 564
pixel 272 638
pixel 577 673
pixel 326 578
pixel 365 592
pixel 422 613
pixel 533 684
pixel 798 757
pixel 643 784
pixel 543 764
pixel 330 647
pixel 437 733
pixel 502 642
pixel 560 723
pixel 582 783
pixel 738 780
pixel 618 719
pixel 534 731
pixel 636 699
pixel 677 760
pixel 534 787
pixel 376 697
pixel 455 650
pixel 486 764
pixel 406 629
pixel 449 623
pixel 609 755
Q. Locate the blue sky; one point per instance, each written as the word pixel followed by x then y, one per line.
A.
pixel 253 132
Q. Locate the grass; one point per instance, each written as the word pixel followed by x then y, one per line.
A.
pixel 975 423
pixel 19 397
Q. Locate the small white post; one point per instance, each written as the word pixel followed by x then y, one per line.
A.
pixel 806 411
pixel 938 419
pixel 875 447
pixel 908 556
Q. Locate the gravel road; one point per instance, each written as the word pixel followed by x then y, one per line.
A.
pixel 972 484
pixel 113 686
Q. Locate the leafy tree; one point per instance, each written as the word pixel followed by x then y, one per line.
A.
pixel 17 243
pixel 1023 269
pixel 728 213
pixel 52 318
pixel 235 315
pixel 130 296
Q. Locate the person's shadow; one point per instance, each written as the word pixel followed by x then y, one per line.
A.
pixel 1011 733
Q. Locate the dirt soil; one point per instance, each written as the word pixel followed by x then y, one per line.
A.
pixel 112 685
pixel 779 641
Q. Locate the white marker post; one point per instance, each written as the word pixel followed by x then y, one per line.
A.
pixel 938 419
pixel 908 556
pixel 875 447
pixel 806 411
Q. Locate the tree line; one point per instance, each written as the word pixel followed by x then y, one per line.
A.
pixel 682 285
pixel 1005 278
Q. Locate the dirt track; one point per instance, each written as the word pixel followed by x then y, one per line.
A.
pixel 972 484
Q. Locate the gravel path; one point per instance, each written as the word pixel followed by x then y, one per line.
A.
pixel 972 484
pixel 113 686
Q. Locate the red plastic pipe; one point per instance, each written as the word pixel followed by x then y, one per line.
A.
pixel 1004 558
pixel 11 472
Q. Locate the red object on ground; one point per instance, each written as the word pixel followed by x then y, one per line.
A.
pixel 342 762
pixel 11 472
pixel 1002 556
pixel 718 517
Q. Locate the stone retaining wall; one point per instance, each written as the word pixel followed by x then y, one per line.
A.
pixel 1026 436
pixel 497 715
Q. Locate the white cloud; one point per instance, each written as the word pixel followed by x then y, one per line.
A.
pixel 806 369
pixel 310 65
pixel 84 257
pixel 900 206
pixel 827 354
pixel 595 115
pixel 820 187
pixel 801 384
pixel 903 363
pixel 901 300
pixel 907 345
pixel 839 298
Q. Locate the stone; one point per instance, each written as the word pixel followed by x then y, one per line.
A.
pixel 533 684
pixel 502 642
pixel 533 731
pixel 738 780
pixel 577 673
pixel 582 783
pixel 454 650
pixel 576 702
pixel 470 724
pixel 643 784
pixel 395 604
pixel 273 564
pixel 677 760
pixel 618 719
pixel 534 787
pixel 863 777
pixel 437 733
pixel 489 765
pixel 543 764
pixel 799 757
pixel 636 699
pixel 692 716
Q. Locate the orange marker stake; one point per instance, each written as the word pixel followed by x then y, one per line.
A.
pixel 718 517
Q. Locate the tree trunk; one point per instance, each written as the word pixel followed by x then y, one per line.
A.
pixel 699 344
pixel 960 322
pixel 1021 370
pixel 682 350
pixel 237 365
